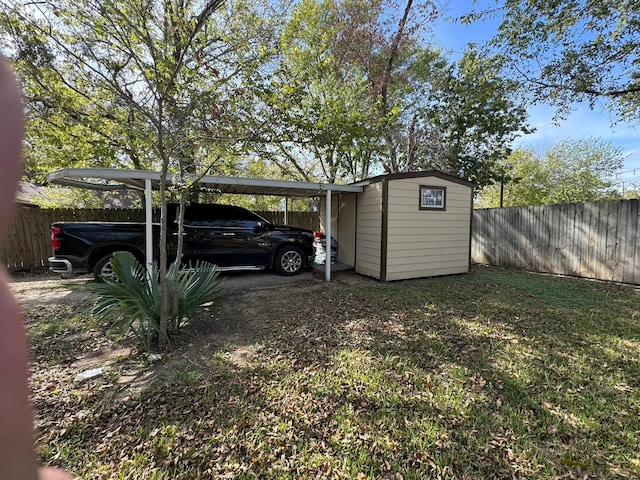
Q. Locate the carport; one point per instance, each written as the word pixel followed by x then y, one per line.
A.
pixel 108 179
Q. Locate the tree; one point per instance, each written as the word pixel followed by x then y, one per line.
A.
pixel 471 120
pixel 69 123
pixel 77 63
pixel 322 117
pixel 459 118
pixel 356 91
pixel 570 51
pixel 382 39
pixel 134 62
pixel 570 171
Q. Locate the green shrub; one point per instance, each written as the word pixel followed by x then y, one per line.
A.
pixel 130 302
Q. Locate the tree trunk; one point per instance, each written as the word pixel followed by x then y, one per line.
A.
pixel 162 270
pixel 392 166
pixel 175 321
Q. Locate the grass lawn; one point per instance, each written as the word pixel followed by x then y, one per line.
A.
pixel 493 374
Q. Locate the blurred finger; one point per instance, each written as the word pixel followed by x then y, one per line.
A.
pixel 16 438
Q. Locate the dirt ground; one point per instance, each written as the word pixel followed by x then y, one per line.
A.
pixel 57 317
pixel 41 289
pixel 34 290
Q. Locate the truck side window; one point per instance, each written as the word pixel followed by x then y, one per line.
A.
pixel 221 216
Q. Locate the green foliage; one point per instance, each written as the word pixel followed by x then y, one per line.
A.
pixel 130 302
pixel 355 91
pixel 323 117
pixel 122 84
pixel 570 171
pixel 572 50
pixel 73 117
pixel 382 41
pixel 472 132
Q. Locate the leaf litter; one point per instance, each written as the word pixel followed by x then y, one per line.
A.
pixel 471 376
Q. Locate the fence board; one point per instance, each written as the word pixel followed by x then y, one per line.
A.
pixel 630 267
pixel 574 238
pixel 593 235
pixel 601 241
pixel 534 238
pixel 27 245
pixel 592 240
pixel 620 231
pixel 636 247
pixel 553 239
pixel 584 232
pixel 530 226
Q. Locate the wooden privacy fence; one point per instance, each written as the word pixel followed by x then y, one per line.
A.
pixel 591 240
pixel 27 246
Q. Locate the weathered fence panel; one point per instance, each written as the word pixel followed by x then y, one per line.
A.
pixel 593 240
pixel 27 245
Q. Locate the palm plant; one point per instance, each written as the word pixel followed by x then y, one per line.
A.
pixel 130 300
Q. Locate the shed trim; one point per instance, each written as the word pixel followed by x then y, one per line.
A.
pixel 384 227
pixel 470 229
pixel 426 173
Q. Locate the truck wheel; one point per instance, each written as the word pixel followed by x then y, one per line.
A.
pixel 103 268
pixel 289 261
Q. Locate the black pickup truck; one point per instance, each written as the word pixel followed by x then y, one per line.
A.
pixel 230 237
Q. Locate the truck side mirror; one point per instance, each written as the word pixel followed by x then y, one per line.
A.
pixel 260 226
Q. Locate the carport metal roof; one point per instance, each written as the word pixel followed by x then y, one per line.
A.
pixel 115 179
pixel 143 180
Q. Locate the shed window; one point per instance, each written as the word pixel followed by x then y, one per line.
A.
pixel 432 198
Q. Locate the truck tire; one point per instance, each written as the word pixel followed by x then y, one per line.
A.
pixel 103 268
pixel 289 261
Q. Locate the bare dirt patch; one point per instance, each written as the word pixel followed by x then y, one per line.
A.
pixel 42 289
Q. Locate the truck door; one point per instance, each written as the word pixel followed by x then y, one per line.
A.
pixel 244 242
pixel 201 236
pixel 226 236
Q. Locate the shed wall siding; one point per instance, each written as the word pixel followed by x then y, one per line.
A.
pixel 369 231
pixel 322 214
pixel 346 230
pixel 343 224
pixel 425 243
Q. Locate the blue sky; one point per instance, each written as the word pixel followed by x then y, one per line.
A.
pixel 581 123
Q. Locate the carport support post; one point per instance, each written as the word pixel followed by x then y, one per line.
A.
pixel 148 228
pixel 286 210
pixel 327 243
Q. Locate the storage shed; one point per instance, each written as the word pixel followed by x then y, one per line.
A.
pixel 405 225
